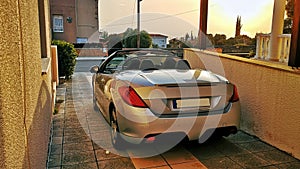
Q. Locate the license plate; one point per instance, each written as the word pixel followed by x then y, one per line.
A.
pixel 190 103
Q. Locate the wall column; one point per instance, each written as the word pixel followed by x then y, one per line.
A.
pixel 277 29
pixel 258 45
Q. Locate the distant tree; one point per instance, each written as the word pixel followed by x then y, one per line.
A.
pixel 127 36
pixel 182 39
pixel 175 43
pixel 238 26
pixel 219 39
pixel 130 39
pixel 155 46
pixel 114 40
pixel 231 41
pixel 187 37
pixel 146 40
pixel 288 22
pixel 192 36
pixel 104 35
pixel 289 8
pixel 244 39
pixel 210 37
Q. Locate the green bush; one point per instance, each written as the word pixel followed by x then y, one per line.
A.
pixel 66 58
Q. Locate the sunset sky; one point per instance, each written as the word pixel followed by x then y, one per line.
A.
pixel 175 18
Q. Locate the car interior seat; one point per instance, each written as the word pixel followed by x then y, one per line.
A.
pixel 169 63
pixel 134 64
pixel 182 64
pixel 146 64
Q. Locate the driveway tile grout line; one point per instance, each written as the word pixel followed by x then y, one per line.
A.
pixel 63 130
pixel 94 150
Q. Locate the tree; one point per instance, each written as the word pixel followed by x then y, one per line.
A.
pixel 238 26
pixel 192 36
pixel 219 39
pixel 289 8
pixel 187 36
pixel 66 58
pixel 231 41
pixel 288 23
pixel 130 39
pixel 127 36
pixel 104 35
pixel 114 40
pixel 146 40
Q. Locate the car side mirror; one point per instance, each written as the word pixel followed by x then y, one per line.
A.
pixel 94 69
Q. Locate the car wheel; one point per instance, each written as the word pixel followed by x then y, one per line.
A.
pixel 116 138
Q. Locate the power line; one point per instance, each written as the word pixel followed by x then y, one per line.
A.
pixel 154 19
pixel 163 17
pixel 133 12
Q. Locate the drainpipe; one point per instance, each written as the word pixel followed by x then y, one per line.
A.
pixel 277 29
pixel 76 16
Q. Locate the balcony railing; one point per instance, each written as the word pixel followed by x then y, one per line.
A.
pixel 263 46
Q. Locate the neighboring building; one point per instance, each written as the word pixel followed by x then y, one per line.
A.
pixel 26 84
pixel 75 21
pixel 159 40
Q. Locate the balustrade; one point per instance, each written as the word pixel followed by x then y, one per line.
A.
pixel 263 46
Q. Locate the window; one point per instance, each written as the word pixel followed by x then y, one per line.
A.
pixel 82 40
pixel 114 64
pixel 58 23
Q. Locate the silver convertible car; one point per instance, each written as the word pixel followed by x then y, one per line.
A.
pixel 146 93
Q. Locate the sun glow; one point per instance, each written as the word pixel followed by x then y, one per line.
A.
pixel 256 16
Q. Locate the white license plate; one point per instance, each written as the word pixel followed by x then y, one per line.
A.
pixel 189 103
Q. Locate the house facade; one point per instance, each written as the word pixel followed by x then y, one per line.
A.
pixel 159 40
pixel 26 84
pixel 75 21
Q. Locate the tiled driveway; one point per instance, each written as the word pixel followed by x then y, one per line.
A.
pixel 81 139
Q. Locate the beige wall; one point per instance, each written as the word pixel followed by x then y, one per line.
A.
pixel 25 94
pixel 269 94
pixel 87 20
pixel 66 8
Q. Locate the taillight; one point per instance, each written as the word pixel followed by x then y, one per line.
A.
pixel 129 95
pixel 235 95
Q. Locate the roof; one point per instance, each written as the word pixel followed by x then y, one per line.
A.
pixel 157 34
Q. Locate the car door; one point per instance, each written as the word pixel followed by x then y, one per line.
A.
pixel 103 82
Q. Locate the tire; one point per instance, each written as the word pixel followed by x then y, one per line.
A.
pixel 116 139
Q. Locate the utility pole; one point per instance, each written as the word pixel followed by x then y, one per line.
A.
pixel 138 24
pixel 203 23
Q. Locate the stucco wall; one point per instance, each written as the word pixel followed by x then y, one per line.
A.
pixel 87 20
pixel 25 94
pixel 269 94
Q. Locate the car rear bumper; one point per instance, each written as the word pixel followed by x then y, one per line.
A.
pixel 143 123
